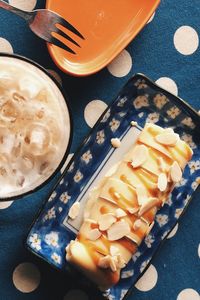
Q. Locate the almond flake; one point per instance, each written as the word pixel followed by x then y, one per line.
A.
pixel 104 262
pixel 120 213
pixel 140 155
pixel 150 227
pixel 113 264
pixel 134 123
pixel 161 164
pixel 118 230
pixel 141 195
pixel 169 130
pixel 107 262
pixel 175 172
pixel 147 206
pixel 133 210
pixel 116 143
pixel 114 250
pixel 137 224
pixel 120 262
pixel 116 255
pixel 117 195
pixel 105 221
pixel 74 210
pixel 94 234
pixel 167 139
pixel 162 182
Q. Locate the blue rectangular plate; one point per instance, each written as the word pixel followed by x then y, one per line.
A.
pixel 143 101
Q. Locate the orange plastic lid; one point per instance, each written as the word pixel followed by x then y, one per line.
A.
pixel 108 26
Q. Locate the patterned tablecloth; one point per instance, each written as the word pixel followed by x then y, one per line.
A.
pixel 167 50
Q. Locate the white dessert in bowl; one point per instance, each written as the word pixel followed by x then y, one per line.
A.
pixel 35 126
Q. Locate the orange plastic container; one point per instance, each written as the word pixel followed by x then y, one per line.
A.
pixel 107 25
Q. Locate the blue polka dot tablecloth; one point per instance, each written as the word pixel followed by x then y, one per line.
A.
pixel 167 50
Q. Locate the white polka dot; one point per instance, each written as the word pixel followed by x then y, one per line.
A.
pixel 5 204
pixel 186 40
pixel 5 46
pixel 173 232
pixel 151 19
pixel 76 295
pixel 26 277
pixel 188 294
pixel 27 5
pixel 55 75
pixel 121 65
pixel 148 280
pixel 66 162
pixel 199 250
pixel 93 111
pixel 168 84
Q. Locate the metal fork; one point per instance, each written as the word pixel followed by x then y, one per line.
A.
pixel 43 23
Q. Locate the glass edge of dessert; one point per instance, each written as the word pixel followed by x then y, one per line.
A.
pixel 35 127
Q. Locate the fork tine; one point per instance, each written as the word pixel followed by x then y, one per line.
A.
pixel 66 24
pixel 66 36
pixel 60 44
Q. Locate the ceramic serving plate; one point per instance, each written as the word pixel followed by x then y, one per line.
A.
pixel 143 101
pixel 107 26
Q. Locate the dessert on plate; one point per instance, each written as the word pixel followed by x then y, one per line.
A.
pixel 121 210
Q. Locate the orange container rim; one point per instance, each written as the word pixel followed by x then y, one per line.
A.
pixel 81 72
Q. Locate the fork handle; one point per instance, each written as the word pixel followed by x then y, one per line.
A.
pixel 23 14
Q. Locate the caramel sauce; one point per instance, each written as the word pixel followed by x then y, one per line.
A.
pixel 154 153
pixel 129 245
pixel 104 210
pixel 140 232
pixel 153 131
pixel 121 200
pixel 144 176
pixel 94 226
pixel 149 216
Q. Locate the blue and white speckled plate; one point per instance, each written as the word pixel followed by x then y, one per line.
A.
pixel 143 101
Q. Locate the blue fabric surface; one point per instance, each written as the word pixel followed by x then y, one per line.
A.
pixel 154 54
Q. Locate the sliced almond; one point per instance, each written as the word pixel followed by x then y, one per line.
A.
pixel 120 261
pixel 145 220
pixel 120 213
pixel 105 221
pixel 116 143
pixel 145 207
pixel 113 264
pixel 150 227
pixel 140 155
pixel 161 164
pixel 118 230
pixel 107 262
pixel 167 139
pixel 114 250
pixel 134 123
pixel 142 196
pixel 169 130
pixel 117 195
pixel 90 221
pixel 175 172
pixel 74 210
pixel 104 262
pixel 94 234
pixel 137 224
pixel 162 182
pixel 133 210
